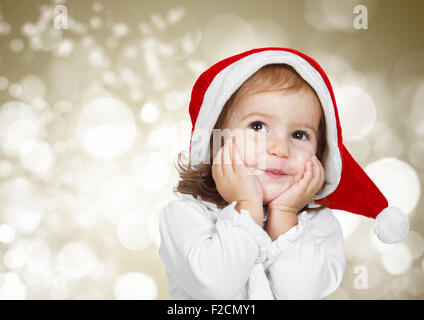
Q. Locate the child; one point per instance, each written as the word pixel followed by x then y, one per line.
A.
pixel 270 234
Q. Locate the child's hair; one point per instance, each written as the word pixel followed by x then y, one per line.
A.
pixel 198 181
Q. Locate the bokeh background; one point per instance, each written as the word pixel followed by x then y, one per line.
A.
pixel 94 109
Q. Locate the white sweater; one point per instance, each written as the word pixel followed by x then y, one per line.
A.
pixel 211 253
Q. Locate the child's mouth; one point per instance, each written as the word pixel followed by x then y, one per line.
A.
pixel 269 173
pixel 274 174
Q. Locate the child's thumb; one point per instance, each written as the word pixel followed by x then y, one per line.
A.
pixel 239 159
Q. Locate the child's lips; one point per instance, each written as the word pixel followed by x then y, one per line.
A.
pixel 274 174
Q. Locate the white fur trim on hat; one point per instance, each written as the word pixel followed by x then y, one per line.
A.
pixel 391 225
pixel 227 81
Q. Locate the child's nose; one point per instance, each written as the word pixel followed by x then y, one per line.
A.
pixel 279 147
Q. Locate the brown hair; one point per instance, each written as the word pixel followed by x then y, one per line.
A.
pixel 273 77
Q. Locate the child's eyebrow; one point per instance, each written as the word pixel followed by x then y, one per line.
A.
pixel 265 115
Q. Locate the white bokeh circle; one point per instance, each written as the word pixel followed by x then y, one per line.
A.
pixel 398 181
pixel 135 286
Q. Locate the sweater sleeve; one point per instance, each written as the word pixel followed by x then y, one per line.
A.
pixel 210 260
pixel 308 261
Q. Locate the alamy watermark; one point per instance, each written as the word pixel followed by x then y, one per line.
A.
pixel 60 17
pixel 361 20
pixel 360 282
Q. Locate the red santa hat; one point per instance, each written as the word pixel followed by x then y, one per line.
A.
pixel 347 186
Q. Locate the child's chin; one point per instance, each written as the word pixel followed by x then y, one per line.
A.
pixel 270 195
pixel 270 192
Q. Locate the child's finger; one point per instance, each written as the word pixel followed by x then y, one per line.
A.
pixel 222 155
pixel 217 157
pixel 237 160
pixel 227 164
pixel 216 164
pixel 223 150
pixel 318 167
pixel 230 157
pixel 214 171
pixel 314 179
pixel 305 171
pixel 318 178
pixel 310 172
pixel 300 186
pixel 314 167
pixel 321 174
pixel 234 156
pixel 307 177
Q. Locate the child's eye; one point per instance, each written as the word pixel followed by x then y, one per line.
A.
pixel 257 125
pixel 300 133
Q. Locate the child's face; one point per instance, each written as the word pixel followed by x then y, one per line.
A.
pixel 290 121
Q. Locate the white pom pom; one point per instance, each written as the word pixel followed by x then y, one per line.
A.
pixel 391 225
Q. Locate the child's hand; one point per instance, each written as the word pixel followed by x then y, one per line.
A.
pixel 231 176
pixel 301 192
